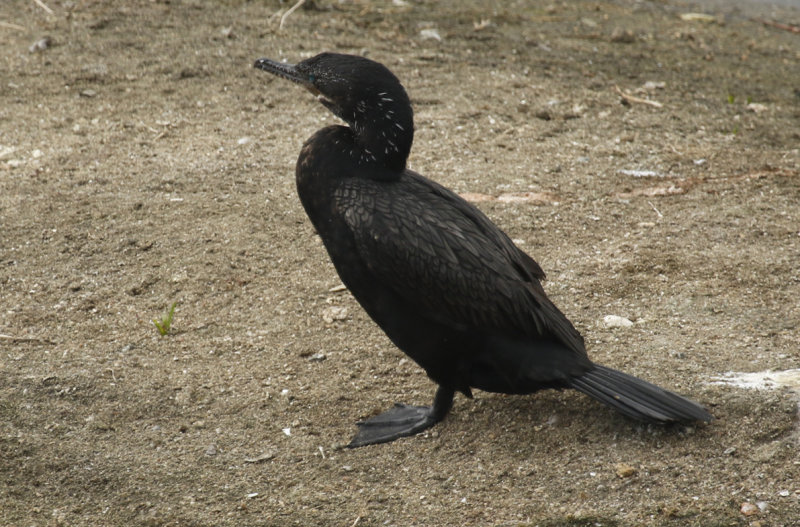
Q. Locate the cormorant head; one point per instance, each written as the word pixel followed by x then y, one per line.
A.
pixel 361 92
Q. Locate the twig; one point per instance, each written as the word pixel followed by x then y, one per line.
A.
pixel 26 339
pixel 289 12
pixel 356 522
pixel 9 25
pixel 630 98
pixel 43 6
pixel 142 123
pixel 779 25
pixel 655 209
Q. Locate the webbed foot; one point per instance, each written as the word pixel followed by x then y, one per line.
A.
pixel 402 420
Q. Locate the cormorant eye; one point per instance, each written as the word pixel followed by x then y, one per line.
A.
pixel 311 78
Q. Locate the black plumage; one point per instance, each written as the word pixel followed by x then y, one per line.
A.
pixel 447 286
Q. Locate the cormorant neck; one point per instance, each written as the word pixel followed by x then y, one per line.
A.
pixel 383 126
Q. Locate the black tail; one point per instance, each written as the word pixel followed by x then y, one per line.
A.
pixel 637 398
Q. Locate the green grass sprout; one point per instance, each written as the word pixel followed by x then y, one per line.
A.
pixel 165 323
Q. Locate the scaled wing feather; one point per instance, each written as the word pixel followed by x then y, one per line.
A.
pixel 432 247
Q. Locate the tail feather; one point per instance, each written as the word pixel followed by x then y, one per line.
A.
pixel 638 399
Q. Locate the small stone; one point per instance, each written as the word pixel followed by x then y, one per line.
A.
pixel 211 450
pixel 6 151
pixel 749 509
pixel 623 36
pixel 266 456
pixel 623 470
pixel 41 44
pixel 698 17
pixel 88 93
pixel 653 85
pixel 614 321
pixel 333 313
pixel 430 34
pixel 640 173
pixel 318 357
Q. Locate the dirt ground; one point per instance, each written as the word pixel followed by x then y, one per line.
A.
pixel 143 161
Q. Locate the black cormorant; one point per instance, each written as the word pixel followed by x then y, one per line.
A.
pixel 447 286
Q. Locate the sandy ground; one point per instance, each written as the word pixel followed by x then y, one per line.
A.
pixel 144 162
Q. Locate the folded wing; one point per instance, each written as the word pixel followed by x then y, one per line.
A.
pixel 441 253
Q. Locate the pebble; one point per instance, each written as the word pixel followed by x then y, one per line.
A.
pixel 698 17
pixel 623 470
pixel 318 357
pixel 332 313
pixel 211 450
pixel 654 85
pixel 41 44
pixel 614 321
pixel 756 107
pixel 623 36
pixel 430 34
pixel 640 173
pixel 749 509
pixel 260 459
pixel 6 151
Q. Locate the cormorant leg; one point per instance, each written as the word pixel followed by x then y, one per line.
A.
pixel 403 420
